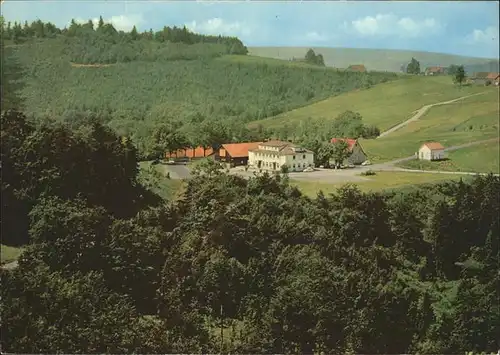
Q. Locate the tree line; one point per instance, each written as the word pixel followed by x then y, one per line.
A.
pixel 107 33
pixel 110 267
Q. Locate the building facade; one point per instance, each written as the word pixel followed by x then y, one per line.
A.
pixel 431 151
pixel 273 155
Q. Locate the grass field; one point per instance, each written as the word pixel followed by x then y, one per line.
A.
pixel 468 120
pixel 379 182
pixel 9 254
pixel 384 105
pixel 482 158
pixel 168 189
pixel 373 59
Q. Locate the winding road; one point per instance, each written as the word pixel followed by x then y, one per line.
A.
pixel 422 111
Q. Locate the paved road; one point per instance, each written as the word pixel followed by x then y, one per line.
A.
pixel 422 111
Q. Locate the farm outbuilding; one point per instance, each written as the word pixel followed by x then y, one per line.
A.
pixel 431 151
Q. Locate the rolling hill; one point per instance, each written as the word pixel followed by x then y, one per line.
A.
pixel 469 120
pixel 377 59
pixel 384 105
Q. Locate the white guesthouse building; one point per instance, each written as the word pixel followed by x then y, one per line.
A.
pixel 431 151
pixel 272 155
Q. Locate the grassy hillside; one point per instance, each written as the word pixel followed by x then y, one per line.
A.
pixel 384 105
pixel 469 120
pixel 137 96
pixel 153 177
pixel 482 158
pixel 373 59
pixel 9 253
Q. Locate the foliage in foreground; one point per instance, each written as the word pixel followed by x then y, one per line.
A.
pixel 277 271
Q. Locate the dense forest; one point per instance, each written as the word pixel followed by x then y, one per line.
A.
pixel 233 265
pixel 143 81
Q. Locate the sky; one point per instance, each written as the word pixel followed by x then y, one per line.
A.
pixel 463 28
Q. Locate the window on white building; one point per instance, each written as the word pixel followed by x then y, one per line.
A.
pixel 294 157
pixel 303 156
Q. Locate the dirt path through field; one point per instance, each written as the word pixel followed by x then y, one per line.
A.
pixel 422 111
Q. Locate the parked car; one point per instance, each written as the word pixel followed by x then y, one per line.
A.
pixel 308 169
pixel 366 162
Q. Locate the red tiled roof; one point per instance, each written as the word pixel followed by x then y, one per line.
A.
pixel 358 67
pixel 492 76
pixel 435 69
pixel 433 145
pixel 198 152
pixel 350 142
pixel 238 150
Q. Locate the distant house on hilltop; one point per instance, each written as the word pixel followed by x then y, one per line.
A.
pixel 431 151
pixel 357 67
pixel 358 155
pixel 436 70
pixel 494 78
pixel 482 78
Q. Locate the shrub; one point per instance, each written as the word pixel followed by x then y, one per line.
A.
pixel 368 173
pixel 284 169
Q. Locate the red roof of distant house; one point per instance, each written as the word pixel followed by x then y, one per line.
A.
pixel 433 145
pixel 198 152
pixel 357 67
pixel 492 76
pixel 481 75
pixel 350 142
pixel 435 69
pixel 239 150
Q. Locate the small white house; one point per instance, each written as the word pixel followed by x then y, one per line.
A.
pixel 431 151
pixel 272 155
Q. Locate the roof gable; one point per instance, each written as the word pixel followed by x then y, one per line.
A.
pixel 493 76
pixel 283 148
pixel 350 142
pixel 357 67
pixel 433 146
pixel 240 150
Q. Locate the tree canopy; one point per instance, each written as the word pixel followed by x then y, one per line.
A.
pixel 252 266
pixel 313 58
pixel 413 67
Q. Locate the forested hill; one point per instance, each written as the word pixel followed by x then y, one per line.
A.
pixel 201 89
pixel 102 43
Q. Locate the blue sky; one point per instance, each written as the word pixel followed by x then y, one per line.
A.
pixel 465 28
